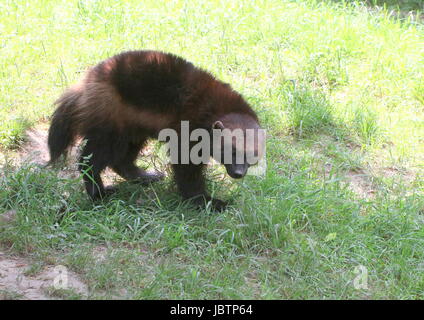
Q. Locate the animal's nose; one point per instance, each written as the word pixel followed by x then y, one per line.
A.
pixel 237 174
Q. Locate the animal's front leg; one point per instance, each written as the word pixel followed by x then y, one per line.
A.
pixel 191 184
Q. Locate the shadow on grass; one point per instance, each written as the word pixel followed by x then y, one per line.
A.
pixel 401 5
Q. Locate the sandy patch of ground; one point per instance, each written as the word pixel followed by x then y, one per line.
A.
pixel 360 183
pixel 14 279
pixel 7 217
pixel 35 149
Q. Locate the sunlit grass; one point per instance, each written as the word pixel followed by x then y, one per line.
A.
pixel 339 88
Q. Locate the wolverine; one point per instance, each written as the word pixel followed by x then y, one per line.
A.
pixel 129 98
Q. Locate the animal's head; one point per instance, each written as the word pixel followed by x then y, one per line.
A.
pixel 238 143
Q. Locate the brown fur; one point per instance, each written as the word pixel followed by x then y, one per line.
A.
pixel 129 98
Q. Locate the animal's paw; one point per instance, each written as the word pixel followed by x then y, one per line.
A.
pixel 218 205
pixel 109 190
pixel 204 201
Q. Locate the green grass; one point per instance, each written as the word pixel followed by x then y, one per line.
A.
pixel 338 86
pixel 9 295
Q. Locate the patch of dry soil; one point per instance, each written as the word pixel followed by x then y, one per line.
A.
pixel 35 148
pixel 13 279
pixel 361 184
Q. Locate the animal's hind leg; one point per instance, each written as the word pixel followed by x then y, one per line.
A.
pixel 127 169
pixel 92 162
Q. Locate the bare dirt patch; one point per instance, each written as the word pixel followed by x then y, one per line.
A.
pixel 14 279
pixel 35 149
pixel 360 183
pixel 7 217
pixel 407 176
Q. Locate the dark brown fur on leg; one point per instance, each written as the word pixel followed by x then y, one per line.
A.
pixel 127 169
pixel 92 163
pixel 191 184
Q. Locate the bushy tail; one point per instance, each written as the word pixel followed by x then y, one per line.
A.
pixel 62 130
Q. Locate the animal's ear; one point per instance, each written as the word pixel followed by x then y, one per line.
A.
pixel 218 125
